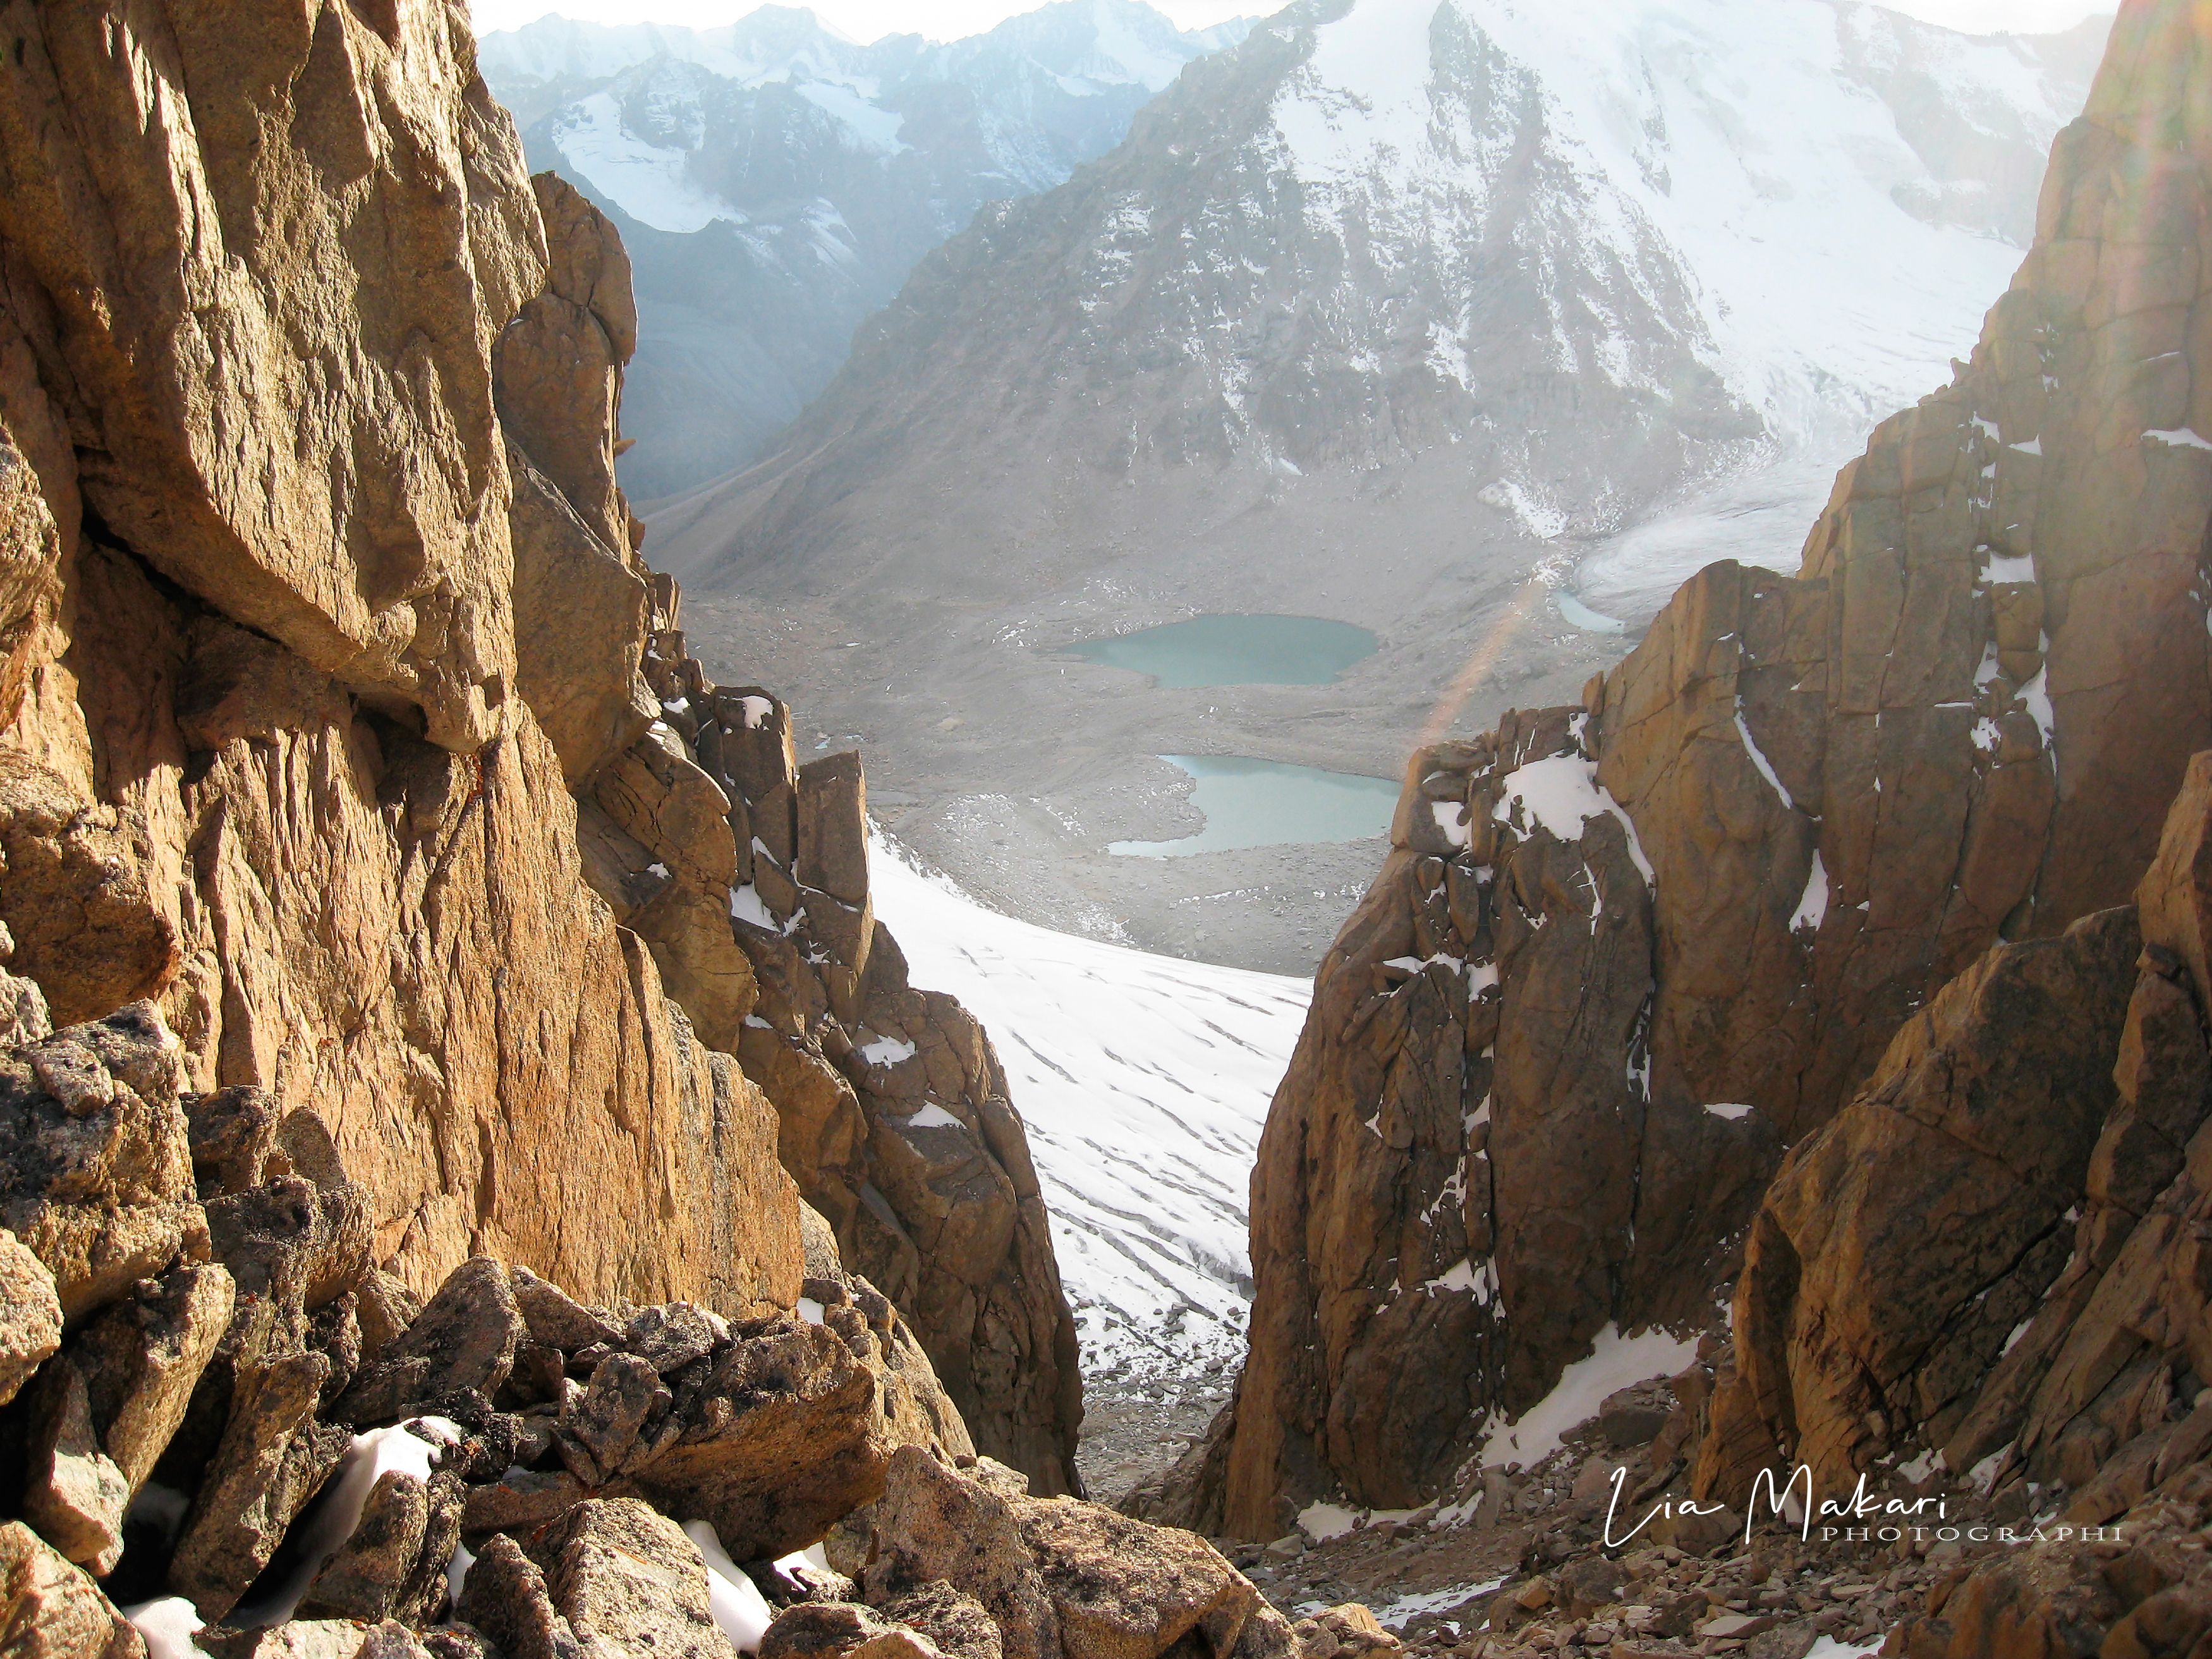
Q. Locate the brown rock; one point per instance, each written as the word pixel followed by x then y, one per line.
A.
pixel 1844 797
pixel 143 1357
pixel 49 1610
pixel 232 1132
pixel 463 1341
pixel 833 827
pixel 238 685
pixel 30 1316
pixel 656 793
pixel 1122 1589
pixel 363 1578
pixel 627 1577
pixel 273 1456
pixel 1893 1257
pixel 521 1502
pixel 86 928
pixel 431 625
pixel 505 1597
pixel 832 1630
pixel 74 1494
pixel 96 1179
pixel 786 1438
pixel 956 1623
pixel 579 618
pixel 600 1424
pixel 555 1318
pixel 935 1527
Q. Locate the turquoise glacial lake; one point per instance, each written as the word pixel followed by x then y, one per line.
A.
pixel 1235 650
pixel 1256 803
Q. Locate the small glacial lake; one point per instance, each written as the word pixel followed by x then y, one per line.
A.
pixel 1256 803
pixel 1235 650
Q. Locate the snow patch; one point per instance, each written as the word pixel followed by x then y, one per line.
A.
pixel 1813 908
pixel 168 1626
pixel 2180 437
pixel 1759 757
pixel 1398 1613
pixel 740 1609
pixel 887 1051
pixel 933 1116
pixel 1732 1113
pixel 1562 794
pixel 410 1449
pixel 1616 1361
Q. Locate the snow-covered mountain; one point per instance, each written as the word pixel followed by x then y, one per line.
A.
pixel 1523 272
pixel 777 182
pixel 1143 1081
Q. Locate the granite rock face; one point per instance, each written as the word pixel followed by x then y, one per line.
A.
pixel 1624 955
pixel 323 679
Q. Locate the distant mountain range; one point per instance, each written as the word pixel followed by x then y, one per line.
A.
pixel 776 183
pixel 1521 270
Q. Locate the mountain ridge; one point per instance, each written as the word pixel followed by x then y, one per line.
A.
pixel 775 182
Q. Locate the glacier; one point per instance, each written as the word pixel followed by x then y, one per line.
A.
pixel 1145 1081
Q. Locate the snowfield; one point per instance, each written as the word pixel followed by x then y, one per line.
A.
pixel 1145 1081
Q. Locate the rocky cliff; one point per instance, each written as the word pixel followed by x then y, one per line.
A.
pixel 1624 956
pixel 346 727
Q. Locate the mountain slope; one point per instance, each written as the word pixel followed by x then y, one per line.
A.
pixel 777 182
pixel 1143 1081
pixel 1517 265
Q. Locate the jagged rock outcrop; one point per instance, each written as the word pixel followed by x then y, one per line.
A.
pixel 748 873
pixel 323 633
pixel 1623 955
pixel 2017 1287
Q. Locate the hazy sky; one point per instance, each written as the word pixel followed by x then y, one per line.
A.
pixel 947 20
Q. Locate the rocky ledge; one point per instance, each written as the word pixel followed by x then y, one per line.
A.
pixel 218 1413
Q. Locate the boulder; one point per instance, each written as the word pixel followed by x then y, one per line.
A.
pixel 505 1597
pixel 599 1425
pixel 30 1316
pixel 1121 1588
pixel 627 1577
pixel 73 1492
pixel 934 1526
pixel 954 1622
pixel 273 1456
pixel 785 1436
pixel 49 1610
pixel 836 1630
pixel 557 1319
pixel 143 1357
pixel 86 927
pixel 655 791
pixel 701 965
pixel 232 1132
pixel 462 1342
pixel 95 1169
pixel 315 1638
